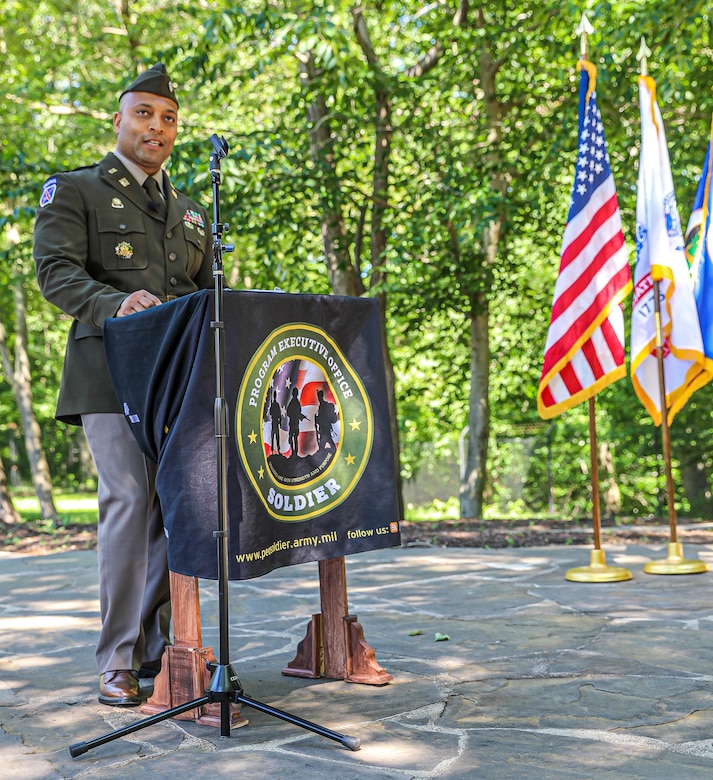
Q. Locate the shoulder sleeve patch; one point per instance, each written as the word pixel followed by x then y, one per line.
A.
pixel 48 191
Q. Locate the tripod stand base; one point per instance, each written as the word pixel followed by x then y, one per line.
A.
pixel 226 691
pixel 675 563
pixel 185 676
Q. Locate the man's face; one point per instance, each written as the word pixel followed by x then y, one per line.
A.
pixel 146 127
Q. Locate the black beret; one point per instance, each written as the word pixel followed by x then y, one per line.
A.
pixel 156 81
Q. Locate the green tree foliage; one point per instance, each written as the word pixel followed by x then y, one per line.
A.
pixel 482 108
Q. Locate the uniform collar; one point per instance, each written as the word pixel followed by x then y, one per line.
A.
pixel 139 173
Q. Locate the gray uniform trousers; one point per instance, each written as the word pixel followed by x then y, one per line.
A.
pixel 133 570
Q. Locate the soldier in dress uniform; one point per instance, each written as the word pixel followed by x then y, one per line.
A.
pixel 111 240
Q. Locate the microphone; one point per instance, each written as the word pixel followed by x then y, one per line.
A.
pixel 221 148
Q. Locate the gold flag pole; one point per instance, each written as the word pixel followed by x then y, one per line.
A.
pixel 674 563
pixel 598 570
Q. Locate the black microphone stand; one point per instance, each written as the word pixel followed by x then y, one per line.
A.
pixel 224 686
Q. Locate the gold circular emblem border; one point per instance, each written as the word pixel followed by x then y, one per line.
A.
pixel 346 491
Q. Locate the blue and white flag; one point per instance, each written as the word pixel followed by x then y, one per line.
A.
pixel 699 253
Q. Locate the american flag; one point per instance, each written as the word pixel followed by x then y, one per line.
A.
pixel 584 351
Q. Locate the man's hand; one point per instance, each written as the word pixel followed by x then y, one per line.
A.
pixel 137 301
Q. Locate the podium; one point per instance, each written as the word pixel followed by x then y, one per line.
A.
pixel 313 482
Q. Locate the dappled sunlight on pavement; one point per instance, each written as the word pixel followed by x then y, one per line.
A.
pixel 499 664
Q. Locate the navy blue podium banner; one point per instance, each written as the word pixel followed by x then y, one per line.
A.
pixel 310 467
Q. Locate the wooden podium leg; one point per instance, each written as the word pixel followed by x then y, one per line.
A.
pixel 184 675
pixel 361 665
pixel 339 650
pixel 333 598
pixel 308 661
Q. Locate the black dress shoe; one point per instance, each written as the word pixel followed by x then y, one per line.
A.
pixel 119 688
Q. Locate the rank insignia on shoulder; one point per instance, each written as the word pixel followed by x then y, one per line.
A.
pixel 116 203
pixel 124 182
pixel 48 191
pixel 113 170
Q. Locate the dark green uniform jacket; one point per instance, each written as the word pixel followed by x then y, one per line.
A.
pixel 98 238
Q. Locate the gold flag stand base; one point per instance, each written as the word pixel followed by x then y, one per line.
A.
pixel 675 563
pixel 598 571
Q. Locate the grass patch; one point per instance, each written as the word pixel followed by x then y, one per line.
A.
pixel 434 511
pixel 72 508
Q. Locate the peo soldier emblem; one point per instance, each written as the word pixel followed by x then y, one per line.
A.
pixel 304 423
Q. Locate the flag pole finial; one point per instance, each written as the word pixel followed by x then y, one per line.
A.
pixel 584 28
pixel 643 57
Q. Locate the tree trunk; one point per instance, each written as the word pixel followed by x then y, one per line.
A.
pixel 473 481
pixel 8 513
pixel 382 163
pixel 86 469
pixel 342 274
pixel 611 495
pixel 383 132
pixel 694 477
pixel 393 409
pixel 22 389
pixel 474 473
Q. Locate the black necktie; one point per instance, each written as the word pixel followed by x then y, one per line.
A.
pixel 157 202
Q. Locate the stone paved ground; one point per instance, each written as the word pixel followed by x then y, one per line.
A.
pixel 539 677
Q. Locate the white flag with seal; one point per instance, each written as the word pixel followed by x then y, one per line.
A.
pixel 660 256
